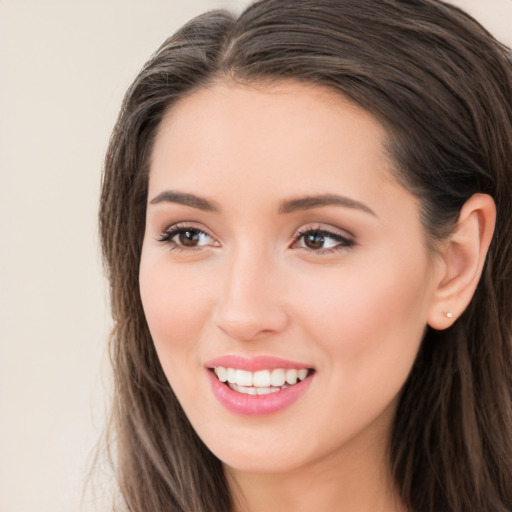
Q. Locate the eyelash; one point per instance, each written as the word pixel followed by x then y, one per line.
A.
pixel 342 243
pixel 167 236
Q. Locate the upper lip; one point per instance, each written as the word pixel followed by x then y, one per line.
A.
pixel 254 363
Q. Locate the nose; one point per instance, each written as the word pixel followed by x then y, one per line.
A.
pixel 251 301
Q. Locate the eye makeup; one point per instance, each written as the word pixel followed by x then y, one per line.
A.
pixel 318 240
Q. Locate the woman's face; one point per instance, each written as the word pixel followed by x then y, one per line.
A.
pixel 278 245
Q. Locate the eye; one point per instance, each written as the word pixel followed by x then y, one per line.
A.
pixel 186 237
pixel 322 241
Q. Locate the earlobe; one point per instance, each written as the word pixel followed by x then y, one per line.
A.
pixel 463 257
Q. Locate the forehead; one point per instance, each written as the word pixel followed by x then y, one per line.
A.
pixel 270 139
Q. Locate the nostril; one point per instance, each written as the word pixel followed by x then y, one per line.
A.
pixel 251 323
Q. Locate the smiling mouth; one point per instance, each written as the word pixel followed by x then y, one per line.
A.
pixel 262 382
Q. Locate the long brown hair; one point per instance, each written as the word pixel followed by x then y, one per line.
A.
pixel 441 85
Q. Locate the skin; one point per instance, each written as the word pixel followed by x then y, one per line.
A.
pixel 252 286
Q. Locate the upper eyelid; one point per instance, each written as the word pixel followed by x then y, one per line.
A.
pixel 306 228
pixel 343 233
pixel 172 230
pixel 341 239
pixel 177 226
pixel 184 224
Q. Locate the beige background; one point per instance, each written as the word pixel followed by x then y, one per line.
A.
pixel 64 66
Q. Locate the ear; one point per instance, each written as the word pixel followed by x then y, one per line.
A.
pixel 462 260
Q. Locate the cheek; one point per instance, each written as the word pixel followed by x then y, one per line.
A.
pixel 175 305
pixel 367 327
pixel 370 322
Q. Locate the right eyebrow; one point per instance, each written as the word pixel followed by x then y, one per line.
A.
pixel 173 196
pixel 310 202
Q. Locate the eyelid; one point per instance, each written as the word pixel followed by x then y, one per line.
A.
pixel 345 239
pixel 168 233
pixel 329 229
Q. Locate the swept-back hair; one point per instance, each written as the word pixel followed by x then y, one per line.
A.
pixel 441 86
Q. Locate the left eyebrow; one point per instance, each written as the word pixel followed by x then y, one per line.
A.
pixel 310 202
pixel 172 196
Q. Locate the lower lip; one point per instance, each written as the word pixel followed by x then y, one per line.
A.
pixel 257 405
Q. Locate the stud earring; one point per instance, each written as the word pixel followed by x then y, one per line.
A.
pixel 449 314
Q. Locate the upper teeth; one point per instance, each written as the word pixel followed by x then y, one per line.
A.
pixel 261 379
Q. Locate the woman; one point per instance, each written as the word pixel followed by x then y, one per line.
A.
pixel 306 224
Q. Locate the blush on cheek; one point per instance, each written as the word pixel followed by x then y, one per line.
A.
pixel 169 320
pixel 362 316
pixel 175 305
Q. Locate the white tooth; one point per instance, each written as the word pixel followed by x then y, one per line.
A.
pixel 261 379
pixel 221 373
pixel 243 378
pixel 278 377
pixel 302 374
pixel 246 390
pixel 291 376
pixel 266 391
pixel 243 389
pixel 231 374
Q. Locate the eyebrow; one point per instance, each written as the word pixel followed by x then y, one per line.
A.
pixel 171 196
pixel 310 202
pixel 289 206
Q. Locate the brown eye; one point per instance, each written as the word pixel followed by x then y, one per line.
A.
pixel 186 237
pixel 189 238
pixel 322 241
pixel 314 240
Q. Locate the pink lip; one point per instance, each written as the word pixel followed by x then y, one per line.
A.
pixel 256 405
pixel 254 364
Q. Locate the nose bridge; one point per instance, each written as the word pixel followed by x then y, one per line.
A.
pixel 250 304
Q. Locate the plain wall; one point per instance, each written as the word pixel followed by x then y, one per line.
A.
pixel 64 66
